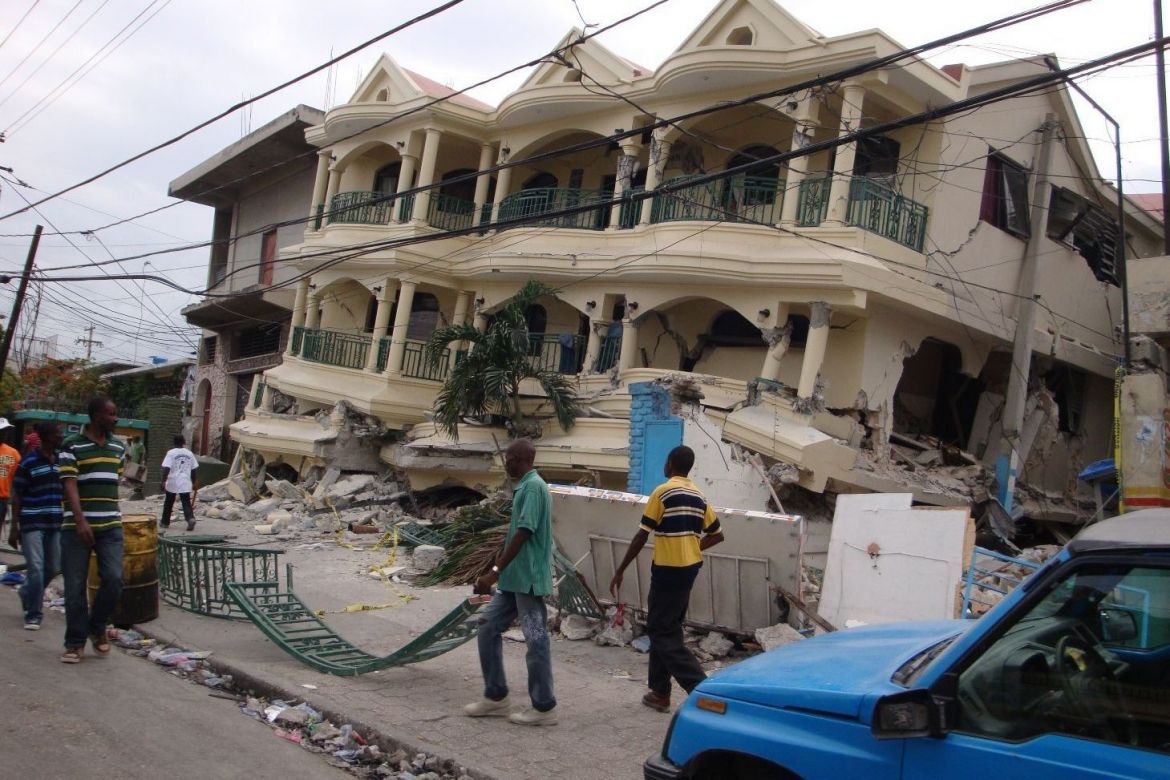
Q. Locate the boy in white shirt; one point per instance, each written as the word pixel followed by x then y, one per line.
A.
pixel 178 478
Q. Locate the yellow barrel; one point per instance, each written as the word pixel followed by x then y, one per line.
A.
pixel 139 602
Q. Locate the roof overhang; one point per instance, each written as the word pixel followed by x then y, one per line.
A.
pixel 216 313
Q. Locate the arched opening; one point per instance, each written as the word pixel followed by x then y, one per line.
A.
pixel 731 329
pixel 741 36
pixel 382 96
pixel 424 316
pixel 934 397
pixel 536 320
pixel 386 178
pixel 542 179
pixel 345 307
pixel 756 187
pixel 464 189
pixel 573 76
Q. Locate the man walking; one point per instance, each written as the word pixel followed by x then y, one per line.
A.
pixel 178 478
pixel 36 520
pixel 9 460
pixel 684 525
pixel 91 464
pixel 524 574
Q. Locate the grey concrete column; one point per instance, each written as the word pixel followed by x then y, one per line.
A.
pixel 401 324
pixel 805 118
pixel 659 154
pixel 852 96
pixel 814 348
pixel 426 175
pixel 482 182
pixel 405 178
pixel 381 320
pixel 623 183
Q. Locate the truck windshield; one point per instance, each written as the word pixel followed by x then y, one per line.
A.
pixel 908 672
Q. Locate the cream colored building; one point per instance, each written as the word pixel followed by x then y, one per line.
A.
pixel 823 305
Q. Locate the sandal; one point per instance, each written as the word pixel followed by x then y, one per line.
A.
pixel 101 645
pixel 72 655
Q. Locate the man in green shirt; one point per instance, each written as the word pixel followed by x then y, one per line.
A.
pixel 523 572
pixel 90 463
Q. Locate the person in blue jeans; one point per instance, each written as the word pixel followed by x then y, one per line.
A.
pixel 36 520
pixel 91 465
pixel 523 574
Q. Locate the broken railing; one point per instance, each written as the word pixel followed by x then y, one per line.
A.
pixel 194 570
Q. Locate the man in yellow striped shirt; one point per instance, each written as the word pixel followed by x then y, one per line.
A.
pixel 684 525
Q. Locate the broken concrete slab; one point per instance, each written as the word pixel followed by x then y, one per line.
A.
pixel 578 627
pixel 280 520
pixel 240 488
pixel 265 530
pixel 216 492
pixel 330 476
pixel 350 486
pixel 777 636
pixel 282 488
pixel 716 645
pixel 426 557
pixel 260 509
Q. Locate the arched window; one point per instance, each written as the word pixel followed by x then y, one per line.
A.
pixel 540 180
pixel 424 316
pixel 731 329
pixel 741 36
pixel 382 96
pixel 464 190
pixel 573 75
pixel 386 179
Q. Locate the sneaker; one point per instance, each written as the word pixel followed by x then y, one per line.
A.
pixel 72 655
pixel 656 701
pixel 487 707
pixel 32 625
pixel 534 717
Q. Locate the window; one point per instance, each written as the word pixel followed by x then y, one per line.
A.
pixel 260 340
pixel 207 356
pixel 221 233
pixel 386 179
pixel 740 36
pixel 1088 229
pixel 877 157
pixel 267 257
pixel 1005 196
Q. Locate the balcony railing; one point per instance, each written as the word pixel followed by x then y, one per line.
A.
pixel 361 208
pixel 383 353
pixel 754 199
pixel 416 365
pixel 298 338
pixel 447 212
pixel 405 208
pixel 873 206
pixel 529 205
pixel 607 357
pixel 334 348
pixel 631 209
pixel 560 352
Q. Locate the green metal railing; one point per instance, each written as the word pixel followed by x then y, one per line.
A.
pixel 335 348
pixel 753 199
pixel 485 214
pixel 193 572
pixel 447 212
pixel 607 356
pixel 873 206
pixel 383 353
pixel 560 352
pixel 298 338
pixel 361 208
pixel 530 204
pixel 258 394
pixel 405 208
pixel 631 209
pixel 416 365
pixel 319 217
pixel 879 209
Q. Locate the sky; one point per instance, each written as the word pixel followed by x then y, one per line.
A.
pixel 116 77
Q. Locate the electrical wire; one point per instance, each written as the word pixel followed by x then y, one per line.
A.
pixel 19 22
pixel 40 43
pixel 54 53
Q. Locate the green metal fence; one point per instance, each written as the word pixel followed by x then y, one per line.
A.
pixel 530 204
pixel 814 200
pixel 193 571
pixel 607 356
pixel 560 352
pixel 335 348
pixel 740 199
pixel 631 209
pixel 879 209
pixel 298 337
pixel 405 208
pixel 383 353
pixel 416 365
pixel 361 208
pixel 447 212
pixel 258 394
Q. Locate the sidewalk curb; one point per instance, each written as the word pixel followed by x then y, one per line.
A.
pixel 247 681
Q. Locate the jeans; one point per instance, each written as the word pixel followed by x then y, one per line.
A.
pixel 493 622
pixel 83 620
pixel 169 504
pixel 669 657
pixel 42 554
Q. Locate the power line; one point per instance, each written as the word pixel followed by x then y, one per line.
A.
pixel 19 22
pixel 41 42
pixel 53 54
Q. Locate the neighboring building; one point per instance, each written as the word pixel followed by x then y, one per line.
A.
pixel 861 296
pixel 254 185
pixel 131 387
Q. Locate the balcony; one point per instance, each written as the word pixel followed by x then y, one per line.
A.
pixel 331 347
pixel 872 206
pixel 560 352
pixel 416 365
pixel 750 199
pixel 529 205
pixel 361 208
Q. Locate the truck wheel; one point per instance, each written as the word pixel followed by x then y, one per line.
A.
pixel 736 766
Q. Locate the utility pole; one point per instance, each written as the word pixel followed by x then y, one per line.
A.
pixel 16 304
pixel 1160 67
pixel 1007 465
pixel 89 343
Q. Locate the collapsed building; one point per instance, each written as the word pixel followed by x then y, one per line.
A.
pixel 841 322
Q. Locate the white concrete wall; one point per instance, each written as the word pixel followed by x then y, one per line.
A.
pixel 724 478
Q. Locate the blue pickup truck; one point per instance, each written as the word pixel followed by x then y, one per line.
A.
pixel 1068 677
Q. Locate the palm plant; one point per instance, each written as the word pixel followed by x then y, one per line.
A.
pixel 487 379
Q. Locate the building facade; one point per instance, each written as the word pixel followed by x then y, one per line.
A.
pixel 828 307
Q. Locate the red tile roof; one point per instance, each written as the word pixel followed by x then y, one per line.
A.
pixel 1151 202
pixel 435 89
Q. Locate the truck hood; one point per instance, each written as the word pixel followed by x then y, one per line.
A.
pixel 832 673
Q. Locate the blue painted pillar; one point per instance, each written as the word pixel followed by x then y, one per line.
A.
pixel 654 432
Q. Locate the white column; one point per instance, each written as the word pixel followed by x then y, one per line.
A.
pixel 320 183
pixel 405 179
pixel 401 324
pixel 426 175
pixel 852 97
pixel 659 154
pixel 298 313
pixel 313 313
pixel 265 398
pixel 629 351
pixel 333 186
pixel 503 182
pixel 814 348
pixel 480 321
pixel 778 338
pixel 482 182
pixel 462 299
pixel 802 135
pixel 593 346
pixel 625 176
pixel 381 320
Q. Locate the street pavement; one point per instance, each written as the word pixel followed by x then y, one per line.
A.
pixel 123 717
pixel 604 733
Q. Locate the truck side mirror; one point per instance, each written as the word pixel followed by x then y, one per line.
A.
pixel 1117 624
pixel 908 714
